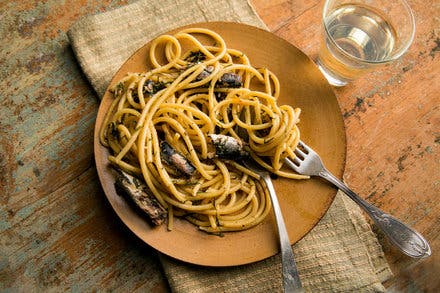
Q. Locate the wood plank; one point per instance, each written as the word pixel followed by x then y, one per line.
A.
pixel 392 122
pixel 57 230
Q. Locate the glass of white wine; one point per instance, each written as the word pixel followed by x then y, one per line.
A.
pixel 362 34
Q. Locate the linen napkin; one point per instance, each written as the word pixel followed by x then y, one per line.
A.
pixel 340 254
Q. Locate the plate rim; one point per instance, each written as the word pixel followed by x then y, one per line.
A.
pixel 97 144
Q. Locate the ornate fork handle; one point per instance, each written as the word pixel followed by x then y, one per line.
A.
pixel 408 240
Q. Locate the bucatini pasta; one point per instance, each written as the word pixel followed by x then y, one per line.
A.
pixel 163 123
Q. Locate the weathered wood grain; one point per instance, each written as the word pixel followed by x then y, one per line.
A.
pixel 57 230
pixel 392 120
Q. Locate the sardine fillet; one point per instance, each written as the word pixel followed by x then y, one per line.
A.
pixel 138 192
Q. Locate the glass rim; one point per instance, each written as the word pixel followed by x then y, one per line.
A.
pixel 395 56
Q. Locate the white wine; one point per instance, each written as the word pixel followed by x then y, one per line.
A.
pixel 357 37
pixel 361 32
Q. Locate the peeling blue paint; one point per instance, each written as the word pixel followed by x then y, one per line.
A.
pixel 4 223
pixel 25 211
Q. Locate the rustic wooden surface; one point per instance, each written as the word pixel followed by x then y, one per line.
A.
pixel 57 230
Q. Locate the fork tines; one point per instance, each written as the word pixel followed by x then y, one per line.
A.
pixel 301 152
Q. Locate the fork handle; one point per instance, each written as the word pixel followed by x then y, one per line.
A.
pixel 291 280
pixel 406 239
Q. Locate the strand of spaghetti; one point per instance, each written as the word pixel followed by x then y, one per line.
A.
pixel 265 207
pixel 198 45
pixel 196 189
pixel 103 130
pixel 122 101
pixel 114 145
pixel 248 219
pixel 166 180
pixel 216 77
pixel 153 104
pixel 281 149
pixel 250 126
pixel 183 99
pixel 235 186
pixel 211 182
pixel 276 83
pixel 236 118
pixel 232 200
pixel 127 146
pixel 218 39
pixel 140 89
pixel 125 166
pixel 182 80
pixel 244 170
pixel 272 140
pixel 236 216
pixel 192 129
pixel 203 81
pixel 153 47
pixel 155 183
pixel 267 85
pixel 192 152
pixel 277 157
pixel 174 108
pixel 115 104
pixel 117 116
pixel 124 132
pixel 226 182
pixel 239 205
pixel 209 194
pixel 189 207
pixel 129 93
pixel 239 228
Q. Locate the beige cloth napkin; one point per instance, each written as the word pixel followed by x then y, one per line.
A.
pixel 340 254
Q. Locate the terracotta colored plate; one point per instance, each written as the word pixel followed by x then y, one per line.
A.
pixel 303 202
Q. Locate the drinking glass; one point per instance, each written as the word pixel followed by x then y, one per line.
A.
pixel 360 35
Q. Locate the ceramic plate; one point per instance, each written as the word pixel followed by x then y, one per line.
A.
pixel 303 203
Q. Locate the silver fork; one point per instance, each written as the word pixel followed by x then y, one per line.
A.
pixel 291 281
pixel 410 242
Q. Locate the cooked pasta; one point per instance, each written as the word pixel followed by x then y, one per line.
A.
pixel 161 127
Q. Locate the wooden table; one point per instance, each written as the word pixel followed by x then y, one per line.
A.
pixel 58 230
